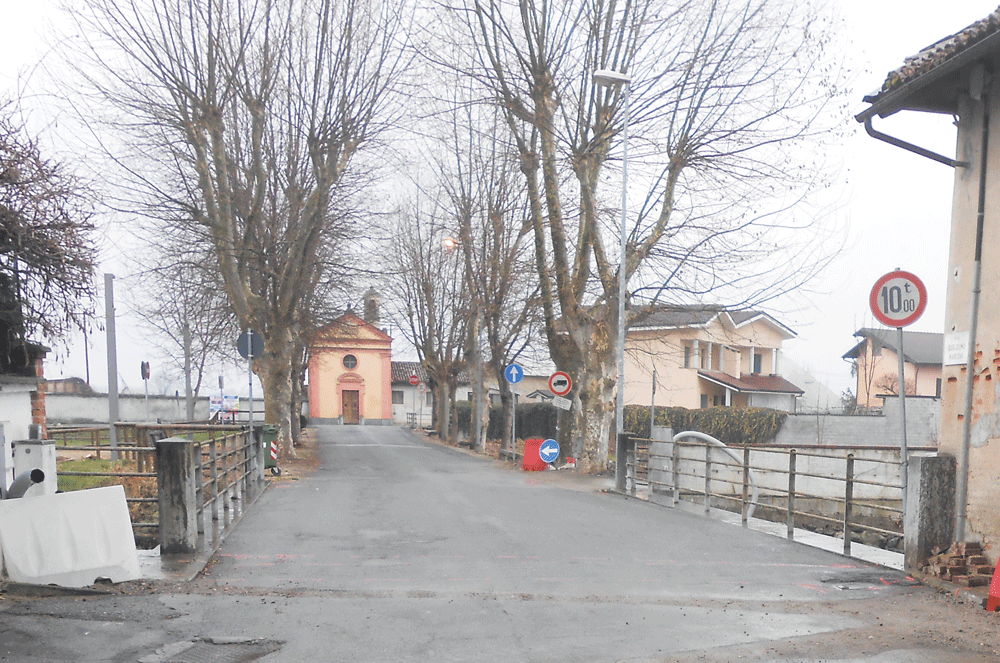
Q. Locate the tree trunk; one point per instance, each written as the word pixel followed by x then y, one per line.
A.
pixel 276 377
pixel 588 355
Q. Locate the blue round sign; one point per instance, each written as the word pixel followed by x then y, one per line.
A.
pixel 549 451
pixel 513 373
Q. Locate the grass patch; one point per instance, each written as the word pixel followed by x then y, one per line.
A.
pixel 70 483
pixel 135 487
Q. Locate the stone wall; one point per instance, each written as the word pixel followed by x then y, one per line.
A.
pixel 923 416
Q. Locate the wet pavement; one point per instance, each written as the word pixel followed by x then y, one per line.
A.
pixel 398 549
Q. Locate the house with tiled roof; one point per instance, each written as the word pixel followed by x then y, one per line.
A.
pixel 707 356
pixel 959 76
pixel 875 364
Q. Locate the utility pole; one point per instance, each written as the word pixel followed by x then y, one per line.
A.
pixel 109 312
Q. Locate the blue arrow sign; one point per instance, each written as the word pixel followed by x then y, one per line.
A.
pixel 513 373
pixel 549 451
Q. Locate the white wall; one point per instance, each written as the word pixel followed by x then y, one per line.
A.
pixel 15 410
pixel 93 408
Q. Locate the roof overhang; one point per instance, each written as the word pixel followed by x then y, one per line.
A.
pixel 935 91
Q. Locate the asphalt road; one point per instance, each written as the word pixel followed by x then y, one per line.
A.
pixel 396 549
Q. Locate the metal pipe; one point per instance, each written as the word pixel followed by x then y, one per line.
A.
pixel 904 456
pixel 729 452
pixel 910 147
pixel 790 514
pixel 848 503
pixel 22 483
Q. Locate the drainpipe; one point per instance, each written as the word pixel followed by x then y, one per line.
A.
pixel 979 93
pixel 22 484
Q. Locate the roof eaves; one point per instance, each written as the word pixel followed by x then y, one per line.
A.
pixel 901 84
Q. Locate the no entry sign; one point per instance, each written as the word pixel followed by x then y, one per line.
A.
pixel 898 299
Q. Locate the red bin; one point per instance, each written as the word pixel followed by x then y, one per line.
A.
pixel 532 461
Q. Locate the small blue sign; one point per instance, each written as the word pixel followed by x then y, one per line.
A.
pixel 549 451
pixel 513 373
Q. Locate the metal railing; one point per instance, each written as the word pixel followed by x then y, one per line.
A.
pixel 226 472
pixel 857 490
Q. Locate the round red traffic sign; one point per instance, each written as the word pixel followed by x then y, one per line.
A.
pixel 414 380
pixel 560 383
pixel 898 299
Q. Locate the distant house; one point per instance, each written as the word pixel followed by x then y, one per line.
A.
pixel 349 373
pixel 412 404
pixel 706 356
pixel 876 364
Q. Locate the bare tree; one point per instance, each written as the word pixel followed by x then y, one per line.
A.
pixel 183 301
pixel 430 295
pixel 721 94
pixel 47 250
pixel 490 206
pixel 252 111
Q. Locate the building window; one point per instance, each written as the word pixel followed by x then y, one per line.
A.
pixel 470 397
pixel 758 359
pixel 715 399
pixel 937 388
pixel 350 362
pixel 397 397
pixel 704 401
pixel 687 356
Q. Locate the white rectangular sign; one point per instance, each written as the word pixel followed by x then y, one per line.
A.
pixel 562 403
pixel 956 348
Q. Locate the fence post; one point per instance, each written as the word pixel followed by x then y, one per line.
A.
pixel 746 482
pixel 930 507
pixel 622 446
pixel 175 472
pixel 633 467
pixel 708 478
pixel 675 468
pixel 213 469
pixel 848 499
pixel 790 513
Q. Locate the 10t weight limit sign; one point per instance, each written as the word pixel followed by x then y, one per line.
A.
pixel 898 299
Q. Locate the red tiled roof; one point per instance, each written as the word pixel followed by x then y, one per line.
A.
pixel 753 382
pixel 402 370
pixel 941 51
pixel 930 80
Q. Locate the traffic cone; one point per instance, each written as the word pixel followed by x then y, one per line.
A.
pixel 993 602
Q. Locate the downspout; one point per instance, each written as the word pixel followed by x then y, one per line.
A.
pixel 910 147
pixel 962 482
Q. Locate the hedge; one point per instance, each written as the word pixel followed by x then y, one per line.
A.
pixel 731 426
pixel 533 420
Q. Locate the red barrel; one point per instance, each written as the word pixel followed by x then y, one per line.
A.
pixel 532 461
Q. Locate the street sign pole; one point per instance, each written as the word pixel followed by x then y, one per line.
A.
pixel 898 299
pixel 904 464
pixel 250 380
pixel 514 374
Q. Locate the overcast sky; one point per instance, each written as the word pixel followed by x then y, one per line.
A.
pixel 896 206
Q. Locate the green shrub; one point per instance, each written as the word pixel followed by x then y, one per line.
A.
pixel 731 426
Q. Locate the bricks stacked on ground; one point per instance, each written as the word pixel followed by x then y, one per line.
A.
pixel 962 564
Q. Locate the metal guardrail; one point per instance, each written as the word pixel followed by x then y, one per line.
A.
pixel 227 453
pixel 722 481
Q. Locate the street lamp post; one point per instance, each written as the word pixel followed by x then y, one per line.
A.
pixel 608 78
